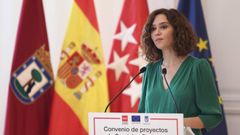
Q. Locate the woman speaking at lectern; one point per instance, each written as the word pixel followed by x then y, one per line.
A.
pixel 167 40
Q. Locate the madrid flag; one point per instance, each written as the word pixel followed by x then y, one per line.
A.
pixel 31 81
pixel 125 58
pixel 81 83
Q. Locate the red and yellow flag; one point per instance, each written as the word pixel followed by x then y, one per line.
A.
pixel 31 83
pixel 81 83
pixel 126 56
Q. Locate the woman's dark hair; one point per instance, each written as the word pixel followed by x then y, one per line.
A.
pixel 183 35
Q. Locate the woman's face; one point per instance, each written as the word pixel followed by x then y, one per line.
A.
pixel 162 32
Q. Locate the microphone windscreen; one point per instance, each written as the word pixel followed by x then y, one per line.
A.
pixel 143 69
pixel 164 71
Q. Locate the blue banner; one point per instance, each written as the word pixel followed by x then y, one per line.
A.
pixel 192 9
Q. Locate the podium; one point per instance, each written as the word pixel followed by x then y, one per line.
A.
pixel 135 124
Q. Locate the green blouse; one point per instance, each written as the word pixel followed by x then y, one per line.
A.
pixel 193 87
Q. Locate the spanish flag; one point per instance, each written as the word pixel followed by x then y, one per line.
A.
pixel 81 83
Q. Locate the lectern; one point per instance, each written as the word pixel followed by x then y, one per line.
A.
pixel 135 124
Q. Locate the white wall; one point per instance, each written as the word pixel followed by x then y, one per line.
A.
pixel 222 21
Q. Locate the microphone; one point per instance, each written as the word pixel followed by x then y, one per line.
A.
pixel 164 72
pixel 143 69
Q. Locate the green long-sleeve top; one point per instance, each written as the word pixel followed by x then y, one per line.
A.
pixel 193 87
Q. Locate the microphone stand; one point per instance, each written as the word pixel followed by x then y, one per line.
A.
pixel 143 69
pixel 164 72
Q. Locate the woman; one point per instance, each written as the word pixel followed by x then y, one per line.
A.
pixel 167 40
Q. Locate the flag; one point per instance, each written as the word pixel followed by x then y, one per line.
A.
pixel 31 81
pixel 192 9
pixel 126 56
pixel 81 82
